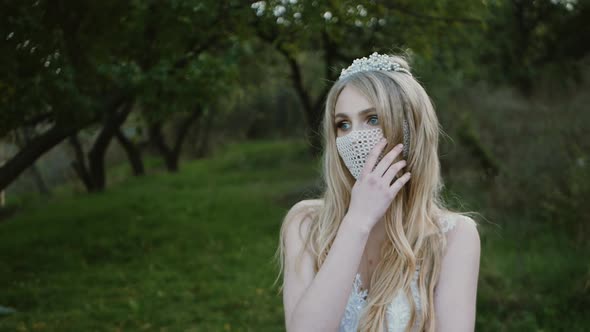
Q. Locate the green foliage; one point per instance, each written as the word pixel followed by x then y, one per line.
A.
pixel 523 38
pixel 34 74
pixel 50 61
pixel 172 55
pixel 565 201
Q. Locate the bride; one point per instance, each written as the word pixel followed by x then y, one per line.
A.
pixel 379 251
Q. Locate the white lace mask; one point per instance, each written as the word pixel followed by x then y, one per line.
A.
pixel 355 146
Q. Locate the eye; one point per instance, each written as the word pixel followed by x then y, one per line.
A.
pixel 340 124
pixel 374 117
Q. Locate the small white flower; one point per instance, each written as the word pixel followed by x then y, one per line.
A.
pixel 279 10
pixel 47 63
pixel 280 20
pixel 327 15
pixel 382 21
pixel 297 15
pixel 361 10
pixel 9 35
pixel 259 6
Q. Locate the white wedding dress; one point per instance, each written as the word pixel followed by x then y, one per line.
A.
pixel 398 311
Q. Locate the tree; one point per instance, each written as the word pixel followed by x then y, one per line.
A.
pixel 339 31
pixel 524 38
pixel 51 83
pixel 101 59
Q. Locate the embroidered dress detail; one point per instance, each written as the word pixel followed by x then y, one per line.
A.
pixel 398 311
pixel 356 303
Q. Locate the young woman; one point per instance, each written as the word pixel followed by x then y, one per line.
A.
pixel 379 251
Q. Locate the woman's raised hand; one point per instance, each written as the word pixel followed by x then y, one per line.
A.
pixel 373 192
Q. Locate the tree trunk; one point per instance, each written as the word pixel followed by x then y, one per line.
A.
pixel 39 145
pixel 157 139
pixel 32 151
pixel 96 155
pixel 312 109
pixel 79 164
pixel 171 155
pixel 33 169
pixel 202 141
pixel 133 153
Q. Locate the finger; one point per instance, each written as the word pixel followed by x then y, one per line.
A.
pixel 372 157
pixel 398 184
pixel 384 164
pixel 393 170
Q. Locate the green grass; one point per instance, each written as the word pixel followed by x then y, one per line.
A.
pixel 192 252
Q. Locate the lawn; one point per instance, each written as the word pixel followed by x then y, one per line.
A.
pixel 193 252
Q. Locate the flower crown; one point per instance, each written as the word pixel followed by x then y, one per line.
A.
pixel 375 61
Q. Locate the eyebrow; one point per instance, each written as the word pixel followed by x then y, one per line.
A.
pixel 370 109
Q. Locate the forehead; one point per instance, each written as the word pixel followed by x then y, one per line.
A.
pixel 351 101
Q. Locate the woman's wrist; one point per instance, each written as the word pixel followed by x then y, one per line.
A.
pixel 357 224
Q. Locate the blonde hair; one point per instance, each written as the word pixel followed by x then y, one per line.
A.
pixel 414 237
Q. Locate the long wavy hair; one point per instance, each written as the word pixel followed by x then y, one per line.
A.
pixel 414 235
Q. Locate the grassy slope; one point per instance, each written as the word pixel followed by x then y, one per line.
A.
pixel 192 252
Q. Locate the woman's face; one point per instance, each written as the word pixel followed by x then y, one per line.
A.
pixel 353 112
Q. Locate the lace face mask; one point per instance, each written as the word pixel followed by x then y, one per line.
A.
pixel 355 146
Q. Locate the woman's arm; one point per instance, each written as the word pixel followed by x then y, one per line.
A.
pixel 456 292
pixel 317 302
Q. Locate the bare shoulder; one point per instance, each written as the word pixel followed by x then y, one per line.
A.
pixel 465 228
pixel 299 217
pixel 463 235
pixel 309 203
pixel 303 210
pixel 456 290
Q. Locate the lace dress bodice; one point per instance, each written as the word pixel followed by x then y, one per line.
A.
pixel 398 311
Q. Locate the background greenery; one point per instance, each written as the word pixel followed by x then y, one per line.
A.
pixel 149 151
pixel 189 252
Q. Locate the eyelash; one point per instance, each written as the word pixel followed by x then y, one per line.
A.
pixel 339 124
